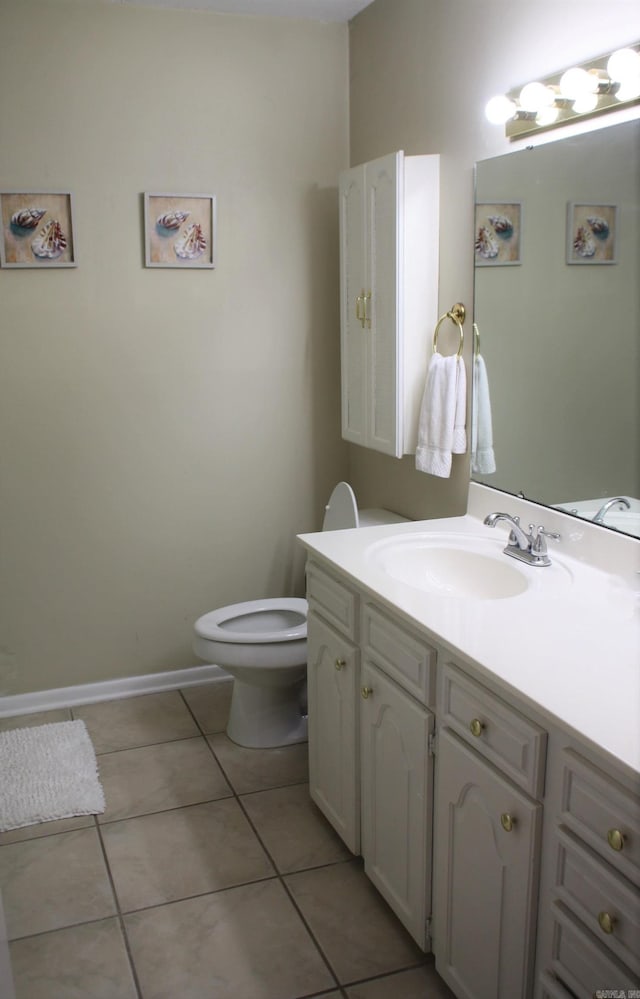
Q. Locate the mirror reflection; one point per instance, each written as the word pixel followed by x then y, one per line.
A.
pixel 557 307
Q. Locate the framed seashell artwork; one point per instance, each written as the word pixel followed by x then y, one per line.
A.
pixel 37 229
pixel 180 230
pixel 591 234
pixel 498 228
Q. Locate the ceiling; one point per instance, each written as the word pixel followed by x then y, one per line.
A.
pixel 314 10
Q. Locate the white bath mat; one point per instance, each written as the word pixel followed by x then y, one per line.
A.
pixel 47 772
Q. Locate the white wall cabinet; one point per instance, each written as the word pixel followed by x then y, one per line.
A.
pixel 389 221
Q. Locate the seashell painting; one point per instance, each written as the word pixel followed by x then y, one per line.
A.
pixel 599 226
pixel 50 241
pixel 502 225
pixel 27 218
pixel 486 245
pixel 583 242
pixel 172 220
pixel 192 243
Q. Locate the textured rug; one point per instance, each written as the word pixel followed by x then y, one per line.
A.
pixel 47 772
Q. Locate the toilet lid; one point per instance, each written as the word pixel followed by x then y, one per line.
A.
pixel 341 511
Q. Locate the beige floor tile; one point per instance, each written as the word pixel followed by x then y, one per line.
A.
pixel 54 881
pixel 244 943
pixel 39 829
pixel 39 718
pixel 156 778
pixel 171 855
pixel 210 704
pixel 418 983
pixel 137 721
pixel 293 830
pixel 260 769
pixel 81 962
pixel 355 928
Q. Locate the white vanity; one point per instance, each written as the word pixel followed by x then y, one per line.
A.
pixel 474 734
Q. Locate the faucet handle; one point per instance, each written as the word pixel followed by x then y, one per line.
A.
pixel 539 537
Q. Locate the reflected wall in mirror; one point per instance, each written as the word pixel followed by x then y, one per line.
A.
pixel 561 343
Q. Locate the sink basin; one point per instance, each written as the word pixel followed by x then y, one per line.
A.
pixel 453 566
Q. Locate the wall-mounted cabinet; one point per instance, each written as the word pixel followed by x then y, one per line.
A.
pixel 389 225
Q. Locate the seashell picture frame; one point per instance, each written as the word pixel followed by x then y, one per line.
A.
pixel 180 230
pixel 37 229
pixel 498 231
pixel 591 233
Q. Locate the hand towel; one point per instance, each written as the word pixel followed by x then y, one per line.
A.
pixel 482 456
pixel 441 428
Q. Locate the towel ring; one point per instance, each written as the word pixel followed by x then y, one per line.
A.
pixel 457 315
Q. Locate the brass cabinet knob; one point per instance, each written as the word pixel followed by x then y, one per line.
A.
pixel 340 663
pixel 476 727
pixel 615 839
pixel 606 921
pixel 507 822
pixel 366 692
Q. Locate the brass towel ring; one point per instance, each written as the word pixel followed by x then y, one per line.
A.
pixel 457 315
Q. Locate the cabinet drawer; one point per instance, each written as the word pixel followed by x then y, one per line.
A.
pixel 402 655
pixel 603 813
pixel 581 962
pixel 592 891
pixel 550 988
pixel 333 600
pixel 494 728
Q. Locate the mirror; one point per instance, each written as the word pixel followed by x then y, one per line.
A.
pixel 557 307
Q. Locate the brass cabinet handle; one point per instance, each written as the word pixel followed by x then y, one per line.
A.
pixel 615 839
pixel 606 921
pixel 367 319
pixel 366 692
pixel 476 727
pixel 340 663
pixel 507 822
pixel 360 301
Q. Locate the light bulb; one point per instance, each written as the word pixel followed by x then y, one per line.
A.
pixel 585 103
pixel 576 82
pixel 499 110
pixel 547 116
pixel 628 89
pixel 534 96
pixel 623 65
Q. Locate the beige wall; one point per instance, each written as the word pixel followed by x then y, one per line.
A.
pixel 164 435
pixel 421 72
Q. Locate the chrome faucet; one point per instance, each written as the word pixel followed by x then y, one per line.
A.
pixel 530 548
pixel 604 509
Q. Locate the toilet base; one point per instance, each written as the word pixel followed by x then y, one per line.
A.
pixel 266 717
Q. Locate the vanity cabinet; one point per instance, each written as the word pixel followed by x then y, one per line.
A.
pixel 487 841
pixel 389 218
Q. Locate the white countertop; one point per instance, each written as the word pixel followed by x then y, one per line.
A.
pixel 570 644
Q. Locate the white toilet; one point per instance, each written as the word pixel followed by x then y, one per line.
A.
pixel 263 644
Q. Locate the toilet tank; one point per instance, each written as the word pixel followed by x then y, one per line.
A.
pixel 341 512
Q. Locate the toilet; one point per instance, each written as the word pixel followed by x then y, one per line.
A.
pixel 263 645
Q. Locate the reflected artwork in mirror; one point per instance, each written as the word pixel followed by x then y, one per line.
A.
pixel 561 343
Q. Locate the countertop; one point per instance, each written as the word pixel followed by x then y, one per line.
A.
pixel 570 645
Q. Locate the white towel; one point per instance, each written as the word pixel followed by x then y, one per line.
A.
pixel 441 429
pixel 482 457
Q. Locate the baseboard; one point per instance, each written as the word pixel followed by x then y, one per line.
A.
pixel 109 690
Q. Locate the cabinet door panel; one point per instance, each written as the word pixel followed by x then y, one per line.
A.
pixel 485 877
pixel 332 674
pixel 353 279
pixel 397 789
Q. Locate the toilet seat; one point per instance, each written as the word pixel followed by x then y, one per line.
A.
pixel 253 622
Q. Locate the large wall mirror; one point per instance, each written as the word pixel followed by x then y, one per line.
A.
pixel 557 306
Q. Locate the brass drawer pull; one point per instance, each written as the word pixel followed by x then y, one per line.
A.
pixel 606 922
pixel 340 663
pixel 366 692
pixel 507 822
pixel 476 727
pixel 615 839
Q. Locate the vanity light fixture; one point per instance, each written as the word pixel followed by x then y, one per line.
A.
pixel 604 84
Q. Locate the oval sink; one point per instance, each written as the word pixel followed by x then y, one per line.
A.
pixel 453 566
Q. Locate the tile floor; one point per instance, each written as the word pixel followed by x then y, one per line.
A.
pixel 211 875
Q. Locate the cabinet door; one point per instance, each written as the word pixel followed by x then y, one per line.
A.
pixel 353 279
pixel 332 673
pixel 397 788
pixel 384 240
pixel 485 877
